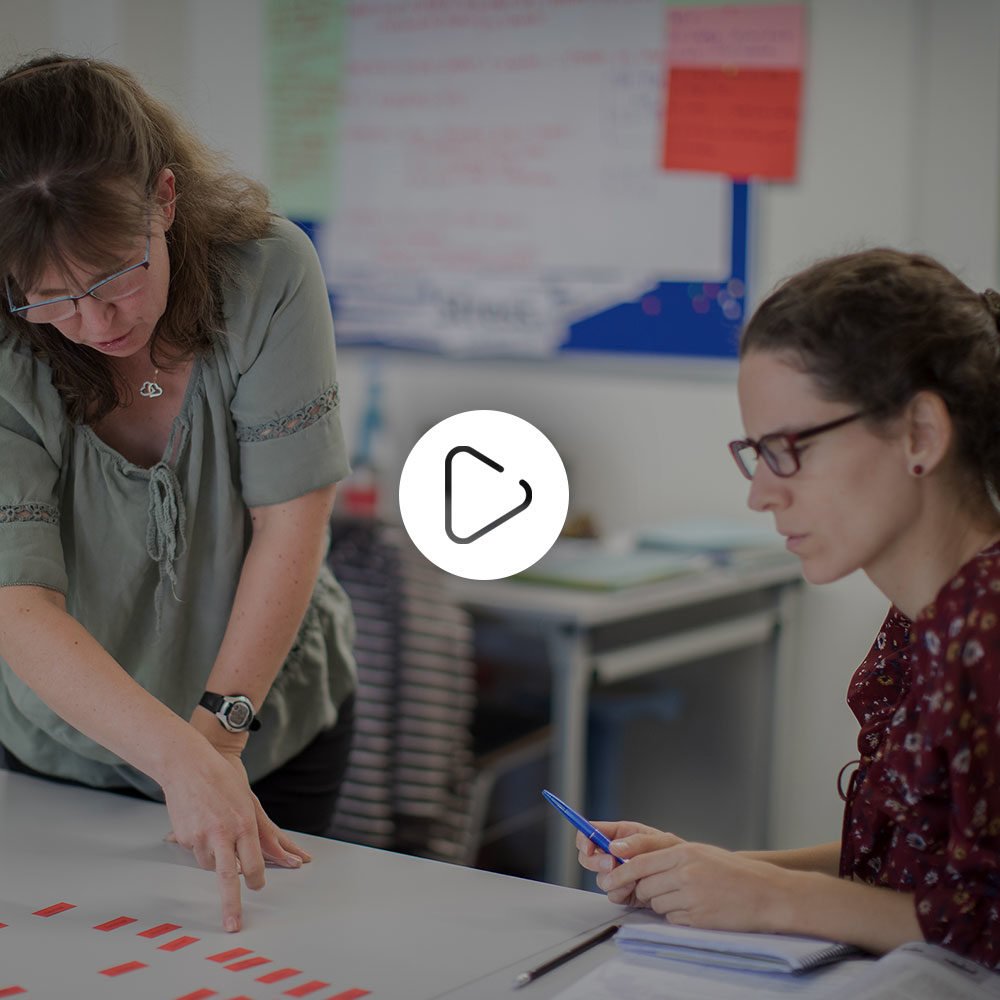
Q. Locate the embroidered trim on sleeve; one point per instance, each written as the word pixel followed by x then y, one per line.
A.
pixel 302 418
pixel 15 513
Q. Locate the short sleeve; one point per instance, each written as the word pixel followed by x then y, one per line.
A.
pixel 31 421
pixel 286 406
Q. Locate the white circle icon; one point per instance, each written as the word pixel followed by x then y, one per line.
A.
pixel 483 494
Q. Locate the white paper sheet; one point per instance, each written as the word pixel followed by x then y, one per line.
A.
pixel 642 979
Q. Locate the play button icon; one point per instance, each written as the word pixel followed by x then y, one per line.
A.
pixel 448 479
pixel 483 494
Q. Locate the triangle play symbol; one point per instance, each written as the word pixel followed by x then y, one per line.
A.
pixel 469 450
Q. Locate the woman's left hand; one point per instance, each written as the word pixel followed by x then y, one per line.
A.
pixel 698 885
pixel 276 845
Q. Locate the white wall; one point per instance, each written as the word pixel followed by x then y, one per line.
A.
pixel 900 145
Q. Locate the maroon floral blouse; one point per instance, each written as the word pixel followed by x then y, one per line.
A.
pixel 923 806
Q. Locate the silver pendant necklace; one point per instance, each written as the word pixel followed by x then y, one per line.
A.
pixel 151 388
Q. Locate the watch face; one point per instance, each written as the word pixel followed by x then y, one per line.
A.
pixel 239 715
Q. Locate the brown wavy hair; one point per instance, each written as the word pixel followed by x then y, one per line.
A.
pixel 875 328
pixel 82 146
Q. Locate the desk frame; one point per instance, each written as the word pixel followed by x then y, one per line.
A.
pixel 566 620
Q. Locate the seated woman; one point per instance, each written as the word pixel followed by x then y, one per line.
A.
pixel 870 386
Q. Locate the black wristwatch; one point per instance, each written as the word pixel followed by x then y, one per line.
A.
pixel 234 711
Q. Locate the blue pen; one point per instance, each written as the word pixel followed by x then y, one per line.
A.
pixel 587 829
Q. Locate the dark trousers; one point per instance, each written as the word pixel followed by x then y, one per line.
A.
pixel 301 795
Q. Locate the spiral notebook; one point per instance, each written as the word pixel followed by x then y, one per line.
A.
pixel 730 950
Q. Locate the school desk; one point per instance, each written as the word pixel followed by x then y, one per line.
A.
pixel 610 636
pixel 94 906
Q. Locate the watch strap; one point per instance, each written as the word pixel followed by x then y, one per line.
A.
pixel 211 701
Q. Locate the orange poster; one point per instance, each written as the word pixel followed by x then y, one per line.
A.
pixel 734 91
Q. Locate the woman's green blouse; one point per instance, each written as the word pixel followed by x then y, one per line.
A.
pixel 149 559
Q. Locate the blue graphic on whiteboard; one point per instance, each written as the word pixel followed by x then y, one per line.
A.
pixel 697 319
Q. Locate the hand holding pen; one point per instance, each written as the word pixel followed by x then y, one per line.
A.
pixel 592 836
pixel 627 840
pixel 589 831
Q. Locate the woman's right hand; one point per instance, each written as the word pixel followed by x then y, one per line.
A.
pixel 628 840
pixel 211 807
pixel 277 846
pixel 214 815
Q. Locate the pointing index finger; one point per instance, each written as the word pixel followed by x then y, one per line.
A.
pixel 228 875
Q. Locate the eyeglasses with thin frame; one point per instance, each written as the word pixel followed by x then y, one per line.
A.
pixel 780 451
pixel 113 288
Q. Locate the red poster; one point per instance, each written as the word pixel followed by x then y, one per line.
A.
pixel 734 90
pixel 739 122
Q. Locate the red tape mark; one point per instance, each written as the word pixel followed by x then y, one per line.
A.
pixel 113 925
pixel 120 970
pixel 178 943
pixel 12 991
pixel 51 911
pixel 306 988
pixel 159 930
pixel 198 995
pixel 228 956
pixel 350 995
pixel 278 975
pixel 248 963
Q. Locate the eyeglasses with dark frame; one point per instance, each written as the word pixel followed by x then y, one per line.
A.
pixel 780 451
pixel 113 288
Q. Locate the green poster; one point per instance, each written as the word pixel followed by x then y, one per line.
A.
pixel 303 62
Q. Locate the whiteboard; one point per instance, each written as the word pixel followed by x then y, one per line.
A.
pixel 497 187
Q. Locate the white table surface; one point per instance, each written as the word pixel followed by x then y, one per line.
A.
pixel 356 917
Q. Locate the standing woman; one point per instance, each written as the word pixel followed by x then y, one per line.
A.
pixel 170 445
pixel 870 386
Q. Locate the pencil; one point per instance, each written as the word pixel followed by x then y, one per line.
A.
pixel 553 963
